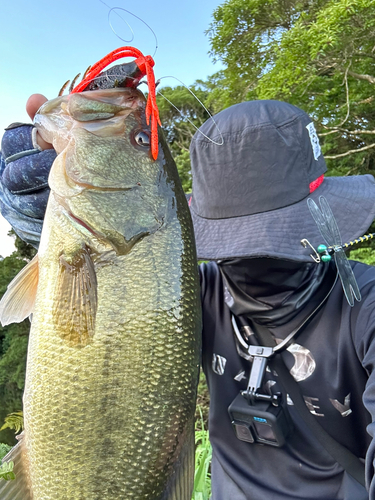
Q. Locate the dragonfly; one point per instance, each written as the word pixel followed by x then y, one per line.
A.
pixel 329 230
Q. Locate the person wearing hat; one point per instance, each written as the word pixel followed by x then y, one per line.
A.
pixel 254 167
pixel 250 212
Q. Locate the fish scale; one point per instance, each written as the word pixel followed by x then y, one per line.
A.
pixel 111 354
pixel 109 414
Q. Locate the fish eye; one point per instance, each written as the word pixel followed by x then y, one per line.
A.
pixel 142 139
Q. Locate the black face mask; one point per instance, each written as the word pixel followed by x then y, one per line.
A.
pixel 272 292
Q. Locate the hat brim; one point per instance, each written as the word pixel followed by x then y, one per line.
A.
pixel 278 233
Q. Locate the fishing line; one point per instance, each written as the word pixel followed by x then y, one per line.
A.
pixel 115 9
pixel 111 77
pixel 186 118
pixel 126 22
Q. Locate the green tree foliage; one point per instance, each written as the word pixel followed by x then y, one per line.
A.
pixel 13 348
pixel 179 112
pixel 316 54
pixel 4 448
pixel 23 249
pixel 14 421
pixel 6 471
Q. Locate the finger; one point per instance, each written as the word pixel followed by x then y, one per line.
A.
pixel 33 104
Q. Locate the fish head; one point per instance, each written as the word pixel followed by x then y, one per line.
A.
pixel 101 112
pixel 105 177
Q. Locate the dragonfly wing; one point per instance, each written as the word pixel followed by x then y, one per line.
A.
pixel 348 281
pixel 329 230
pixel 331 221
pixel 321 222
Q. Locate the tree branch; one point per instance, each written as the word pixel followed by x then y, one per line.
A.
pixel 358 76
pixel 362 54
pixel 349 132
pixel 347 95
pixel 334 131
pixel 352 151
pixel 368 78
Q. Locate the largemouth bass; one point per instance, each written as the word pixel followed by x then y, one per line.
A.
pixel 114 345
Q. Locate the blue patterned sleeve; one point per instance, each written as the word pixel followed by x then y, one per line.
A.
pixel 24 190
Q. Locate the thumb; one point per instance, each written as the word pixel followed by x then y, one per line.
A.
pixel 33 104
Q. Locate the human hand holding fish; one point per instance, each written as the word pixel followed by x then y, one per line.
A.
pixel 34 102
pixel 115 337
pixel 25 162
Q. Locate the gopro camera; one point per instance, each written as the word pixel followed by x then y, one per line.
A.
pixel 260 423
pixel 260 418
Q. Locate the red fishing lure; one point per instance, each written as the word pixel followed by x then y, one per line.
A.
pixel 145 64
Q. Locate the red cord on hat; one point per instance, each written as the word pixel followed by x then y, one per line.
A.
pixel 145 64
pixel 315 184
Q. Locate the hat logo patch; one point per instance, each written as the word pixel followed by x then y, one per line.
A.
pixel 314 140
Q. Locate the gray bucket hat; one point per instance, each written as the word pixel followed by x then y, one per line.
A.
pixel 249 196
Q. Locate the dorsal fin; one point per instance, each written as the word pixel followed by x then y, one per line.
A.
pixel 18 301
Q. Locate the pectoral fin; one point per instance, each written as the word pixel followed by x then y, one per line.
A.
pixel 76 304
pixel 18 301
pixel 19 488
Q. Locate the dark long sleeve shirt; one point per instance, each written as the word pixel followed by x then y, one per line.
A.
pixel 333 360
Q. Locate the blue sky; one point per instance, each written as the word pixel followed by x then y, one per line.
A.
pixel 44 43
